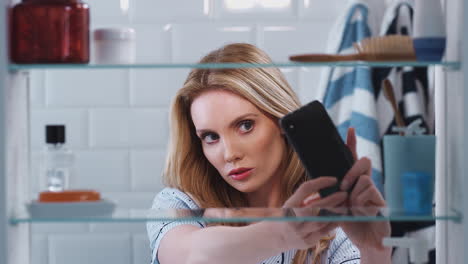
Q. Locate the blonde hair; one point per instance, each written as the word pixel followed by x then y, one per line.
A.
pixel 186 166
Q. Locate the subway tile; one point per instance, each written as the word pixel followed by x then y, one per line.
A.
pixel 309 84
pixel 129 204
pixel 101 170
pixel 193 41
pixel 141 249
pixel 131 200
pixel 150 11
pixel 146 169
pixel 37 181
pixel 153 43
pixel 255 10
pixel 87 88
pixel 321 10
pixel 110 11
pixel 37 89
pixel 140 214
pixel 39 249
pixel 75 121
pixel 90 249
pixel 297 37
pixel 151 128
pixel 129 127
pixel 115 227
pixel 292 77
pixel 58 228
pixel 156 87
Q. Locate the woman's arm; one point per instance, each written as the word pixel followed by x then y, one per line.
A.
pixel 382 256
pixel 252 243
pixel 221 244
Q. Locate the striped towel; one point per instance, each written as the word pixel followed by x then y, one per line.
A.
pixel 411 84
pixel 415 101
pixel 349 95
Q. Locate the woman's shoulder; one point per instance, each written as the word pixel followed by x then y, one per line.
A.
pixel 341 248
pixel 174 198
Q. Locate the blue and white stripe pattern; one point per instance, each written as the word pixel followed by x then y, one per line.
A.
pixel 412 88
pixel 414 94
pixel 349 96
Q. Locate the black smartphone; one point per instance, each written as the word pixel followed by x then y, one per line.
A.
pixel 316 140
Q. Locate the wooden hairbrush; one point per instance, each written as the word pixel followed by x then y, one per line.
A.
pixel 385 48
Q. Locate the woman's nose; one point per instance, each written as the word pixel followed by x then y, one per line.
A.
pixel 232 151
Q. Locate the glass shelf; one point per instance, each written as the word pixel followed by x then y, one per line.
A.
pixel 243 215
pixel 449 64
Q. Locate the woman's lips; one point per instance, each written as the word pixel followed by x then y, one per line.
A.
pixel 241 175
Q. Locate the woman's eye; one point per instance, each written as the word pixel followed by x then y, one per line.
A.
pixel 246 125
pixel 209 137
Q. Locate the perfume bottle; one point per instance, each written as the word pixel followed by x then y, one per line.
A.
pixel 58 159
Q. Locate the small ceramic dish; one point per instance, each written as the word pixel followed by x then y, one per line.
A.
pixel 102 208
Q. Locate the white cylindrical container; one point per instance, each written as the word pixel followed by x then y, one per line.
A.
pixel 429 30
pixel 114 46
pixel 429 20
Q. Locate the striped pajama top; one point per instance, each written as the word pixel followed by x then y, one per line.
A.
pixel 340 251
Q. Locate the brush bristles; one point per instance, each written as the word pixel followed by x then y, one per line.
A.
pixel 392 47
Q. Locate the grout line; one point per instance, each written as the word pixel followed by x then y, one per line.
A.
pixel 132 247
pixel 131 182
pixel 129 88
pixel 111 107
pixel 89 136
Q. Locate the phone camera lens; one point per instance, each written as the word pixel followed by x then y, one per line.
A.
pixel 291 127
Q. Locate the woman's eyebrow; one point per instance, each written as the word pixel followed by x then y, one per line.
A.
pixel 231 124
pixel 235 121
pixel 202 131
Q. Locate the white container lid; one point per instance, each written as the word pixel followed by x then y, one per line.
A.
pixel 114 34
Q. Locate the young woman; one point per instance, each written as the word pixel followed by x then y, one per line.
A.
pixel 227 150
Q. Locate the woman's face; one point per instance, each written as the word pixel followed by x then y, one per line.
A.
pixel 243 144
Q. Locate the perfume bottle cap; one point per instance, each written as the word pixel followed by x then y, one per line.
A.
pixel 55 134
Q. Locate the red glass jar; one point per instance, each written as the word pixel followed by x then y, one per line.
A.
pixel 50 31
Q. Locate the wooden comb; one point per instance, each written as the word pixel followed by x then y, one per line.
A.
pixel 385 48
pixel 390 95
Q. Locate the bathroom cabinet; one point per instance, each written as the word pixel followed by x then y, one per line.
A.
pixel 451 131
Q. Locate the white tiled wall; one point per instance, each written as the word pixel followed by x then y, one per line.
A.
pixel 117 121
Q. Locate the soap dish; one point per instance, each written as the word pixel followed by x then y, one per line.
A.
pixel 102 208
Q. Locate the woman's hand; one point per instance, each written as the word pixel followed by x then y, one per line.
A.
pixel 365 199
pixel 303 235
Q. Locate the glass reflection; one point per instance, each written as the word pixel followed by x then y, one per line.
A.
pixel 250 214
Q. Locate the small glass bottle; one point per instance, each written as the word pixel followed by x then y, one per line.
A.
pixel 58 159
